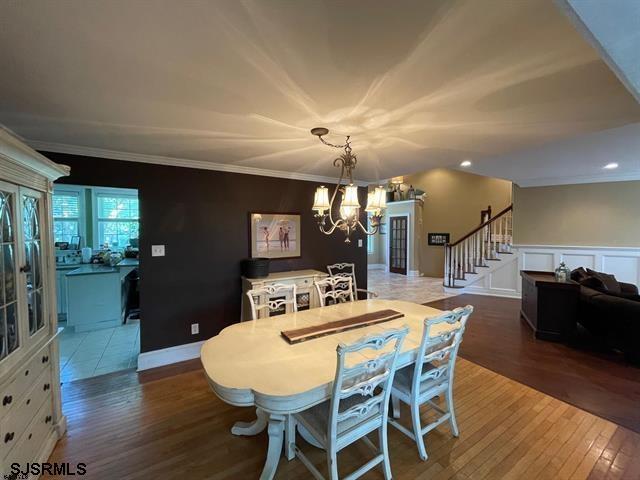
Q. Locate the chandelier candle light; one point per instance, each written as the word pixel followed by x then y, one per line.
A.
pixel 349 206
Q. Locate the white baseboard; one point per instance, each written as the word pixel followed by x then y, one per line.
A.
pixel 376 266
pixel 492 293
pixel 167 356
pixel 413 273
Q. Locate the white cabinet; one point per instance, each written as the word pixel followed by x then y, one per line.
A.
pixel 31 419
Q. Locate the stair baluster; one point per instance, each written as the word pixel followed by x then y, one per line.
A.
pixel 486 242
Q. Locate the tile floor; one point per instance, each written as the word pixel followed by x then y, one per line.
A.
pixel 89 354
pixel 394 286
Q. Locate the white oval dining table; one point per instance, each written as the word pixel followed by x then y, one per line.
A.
pixel 249 364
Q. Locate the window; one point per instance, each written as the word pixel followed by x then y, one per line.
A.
pixel 66 215
pixel 117 218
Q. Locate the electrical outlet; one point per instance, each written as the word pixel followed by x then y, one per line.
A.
pixel 359 242
pixel 157 250
pixel 195 328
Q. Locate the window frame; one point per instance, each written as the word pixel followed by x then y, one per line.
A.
pixel 106 191
pixel 82 211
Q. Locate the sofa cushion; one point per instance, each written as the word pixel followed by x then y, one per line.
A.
pixel 594 283
pixel 609 281
pixel 579 274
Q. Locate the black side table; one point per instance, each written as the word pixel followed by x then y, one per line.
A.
pixel 549 307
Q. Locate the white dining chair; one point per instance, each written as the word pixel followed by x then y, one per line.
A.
pixel 349 269
pixel 431 376
pixel 359 404
pixel 332 290
pixel 272 298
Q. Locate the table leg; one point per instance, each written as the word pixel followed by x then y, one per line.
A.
pixel 252 428
pixel 276 437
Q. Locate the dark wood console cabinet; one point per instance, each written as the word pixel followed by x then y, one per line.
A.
pixel 549 307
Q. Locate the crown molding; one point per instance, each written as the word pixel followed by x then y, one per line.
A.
pixel 14 149
pixel 578 179
pixel 178 162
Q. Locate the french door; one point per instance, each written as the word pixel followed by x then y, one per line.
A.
pixel 398 245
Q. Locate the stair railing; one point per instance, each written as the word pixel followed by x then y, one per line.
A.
pixel 478 247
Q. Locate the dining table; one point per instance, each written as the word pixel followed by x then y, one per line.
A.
pixel 251 364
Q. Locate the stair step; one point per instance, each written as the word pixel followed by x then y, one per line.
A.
pixel 493 259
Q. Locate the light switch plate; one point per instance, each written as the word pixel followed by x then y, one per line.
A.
pixel 359 242
pixel 157 250
pixel 195 328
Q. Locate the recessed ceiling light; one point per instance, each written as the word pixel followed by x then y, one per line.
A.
pixel 466 163
pixel 611 166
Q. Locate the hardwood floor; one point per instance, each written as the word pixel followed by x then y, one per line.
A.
pixel 599 382
pixel 168 424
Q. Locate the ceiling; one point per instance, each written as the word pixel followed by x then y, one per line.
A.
pixel 417 84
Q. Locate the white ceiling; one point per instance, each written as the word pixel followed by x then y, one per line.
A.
pixel 417 84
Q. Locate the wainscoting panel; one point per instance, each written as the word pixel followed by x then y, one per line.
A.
pixel 541 261
pixel 626 268
pixel 575 260
pixel 624 263
pixel 503 279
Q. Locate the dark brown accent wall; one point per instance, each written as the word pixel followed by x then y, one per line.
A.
pixel 201 217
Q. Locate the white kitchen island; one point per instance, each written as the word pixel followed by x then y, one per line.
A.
pixel 94 297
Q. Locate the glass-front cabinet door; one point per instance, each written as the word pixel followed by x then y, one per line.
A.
pixel 9 325
pixel 23 278
pixel 33 266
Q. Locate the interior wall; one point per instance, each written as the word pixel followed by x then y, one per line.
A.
pixel 452 204
pixel 201 217
pixel 594 214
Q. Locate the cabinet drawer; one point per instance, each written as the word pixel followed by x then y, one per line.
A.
pixel 15 423
pixel 32 370
pixel 30 444
pixel 8 398
pixel 304 283
pixel 23 380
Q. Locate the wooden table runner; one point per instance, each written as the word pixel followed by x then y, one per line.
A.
pixel 307 333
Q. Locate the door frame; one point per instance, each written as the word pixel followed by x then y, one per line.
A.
pixel 409 218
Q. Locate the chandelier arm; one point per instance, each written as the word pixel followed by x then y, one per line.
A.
pixel 373 230
pixel 333 197
pixel 331 230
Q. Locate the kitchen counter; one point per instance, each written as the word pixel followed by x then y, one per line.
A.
pixel 90 269
pixel 97 268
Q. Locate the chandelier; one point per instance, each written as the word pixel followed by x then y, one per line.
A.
pixel 349 210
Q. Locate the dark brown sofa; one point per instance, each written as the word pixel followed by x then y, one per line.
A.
pixel 610 310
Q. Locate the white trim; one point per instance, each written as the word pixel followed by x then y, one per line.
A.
pixel 576 179
pixel 413 273
pixel 13 149
pixel 578 247
pixel 167 356
pixel 409 217
pixel 179 162
pixel 376 266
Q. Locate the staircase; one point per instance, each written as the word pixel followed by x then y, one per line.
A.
pixel 480 251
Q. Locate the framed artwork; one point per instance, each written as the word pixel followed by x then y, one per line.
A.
pixel 274 235
pixel 437 238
